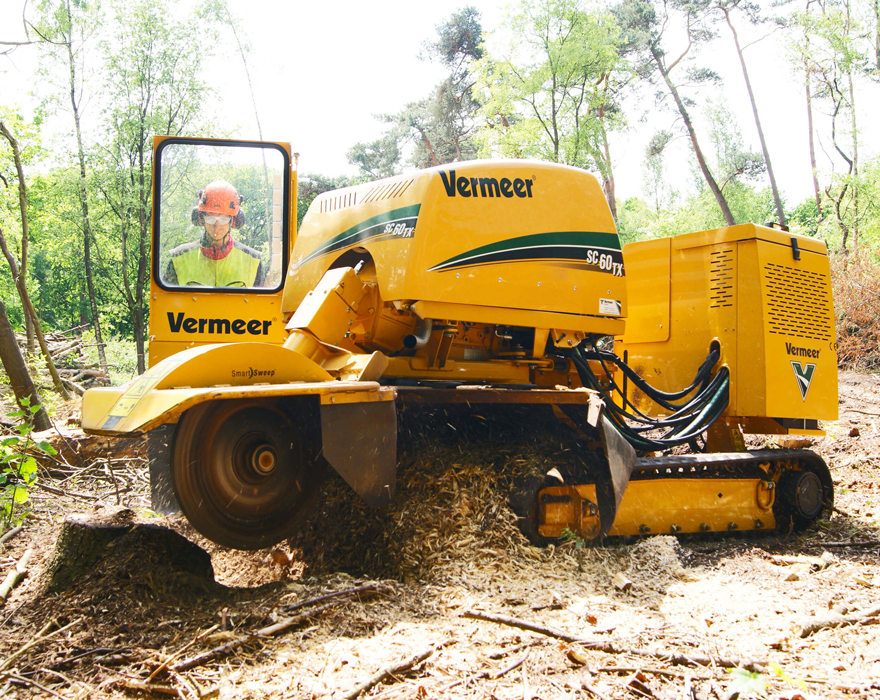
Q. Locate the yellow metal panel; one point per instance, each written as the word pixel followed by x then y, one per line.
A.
pixel 165 405
pixel 180 320
pixel 648 279
pixel 665 506
pixel 743 232
pixel 205 366
pixel 538 236
pixel 801 339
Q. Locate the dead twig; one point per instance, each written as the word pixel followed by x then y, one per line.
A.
pixel 150 688
pixel 161 667
pixel 31 681
pixel 390 670
pixel 9 534
pixel 372 587
pixel 41 637
pixel 691 659
pixel 528 626
pixel 811 625
pixel 224 649
pixel 652 671
pixel 17 574
pixel 586 685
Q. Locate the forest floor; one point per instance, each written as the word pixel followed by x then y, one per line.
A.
pixel 441 596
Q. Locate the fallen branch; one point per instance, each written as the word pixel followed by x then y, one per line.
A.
pixel 224 649
pixel 161 667
pixel 29 681
pixel 826 560
pixel 690 659
pixel 586 685
pixel 8 535
pixel 530 626
pixel 73 385
pixel 41 637
pixel 366 588
pixel 150 688
pixel 849 543
pixel 390 670
pixel 17 574
pixel 653 671
pixel 832 619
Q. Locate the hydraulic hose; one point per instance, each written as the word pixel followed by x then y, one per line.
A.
pixel 687 420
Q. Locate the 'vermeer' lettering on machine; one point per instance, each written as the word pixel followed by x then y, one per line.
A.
pixel 801 352
pixel 217 326
pixel 486 186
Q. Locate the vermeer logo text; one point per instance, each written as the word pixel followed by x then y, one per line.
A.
pixel 221 326
pixel 485 186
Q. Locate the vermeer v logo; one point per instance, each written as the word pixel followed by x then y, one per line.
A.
pixel 804 376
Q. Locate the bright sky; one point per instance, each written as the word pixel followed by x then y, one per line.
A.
pixel 321 70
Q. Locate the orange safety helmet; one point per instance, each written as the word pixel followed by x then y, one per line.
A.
pixel 220 199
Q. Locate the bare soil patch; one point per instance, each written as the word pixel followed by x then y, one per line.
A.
pixel 131 622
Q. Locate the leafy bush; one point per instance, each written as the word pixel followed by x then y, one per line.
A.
pixel 18 468
pixel 856 282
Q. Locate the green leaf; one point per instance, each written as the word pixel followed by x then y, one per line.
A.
pixel 20 495
pixel 28 467
pixel 10 441
pixel 36 408
pixel 777 670
pixel 746 683
pixel 46 447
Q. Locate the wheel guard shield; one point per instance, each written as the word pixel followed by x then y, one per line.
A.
pixel 621 460
pixel 360 442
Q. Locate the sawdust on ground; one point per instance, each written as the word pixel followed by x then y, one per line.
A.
pixel 450 545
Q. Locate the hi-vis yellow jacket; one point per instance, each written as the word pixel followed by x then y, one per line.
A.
pixel 234 265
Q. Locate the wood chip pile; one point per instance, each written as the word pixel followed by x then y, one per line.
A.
pixel 456 470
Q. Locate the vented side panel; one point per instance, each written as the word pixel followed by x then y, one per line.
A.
pixel 387 190
pixel 721 283
pixel 340 201
pixel 798 302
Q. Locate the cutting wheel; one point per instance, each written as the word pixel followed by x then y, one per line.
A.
pixel 244 472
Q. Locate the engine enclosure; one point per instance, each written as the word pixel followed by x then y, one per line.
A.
pixel 763 295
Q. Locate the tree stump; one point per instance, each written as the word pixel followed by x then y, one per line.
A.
pixel 115 545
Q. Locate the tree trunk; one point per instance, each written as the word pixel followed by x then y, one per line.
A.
pixel 84 202
pixel 813 167
pixel 698 152
pixel 780 212
pixel 20 281
pixel 17 371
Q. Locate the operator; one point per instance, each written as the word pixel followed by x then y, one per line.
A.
pixel 217 259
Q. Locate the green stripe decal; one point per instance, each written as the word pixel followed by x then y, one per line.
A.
pixel 568 245
pixel 397 223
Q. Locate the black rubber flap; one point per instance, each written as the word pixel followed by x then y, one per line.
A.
pixel 360 442
pixel 621 459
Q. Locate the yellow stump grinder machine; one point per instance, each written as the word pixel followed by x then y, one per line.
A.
pixel 495 285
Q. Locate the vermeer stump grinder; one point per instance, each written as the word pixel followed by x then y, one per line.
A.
pixel 474 287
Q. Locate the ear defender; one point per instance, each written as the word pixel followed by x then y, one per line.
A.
pixel 196 217
pixel 238 219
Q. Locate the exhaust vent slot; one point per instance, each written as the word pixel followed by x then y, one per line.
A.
pixel 798 302
pixel 721 278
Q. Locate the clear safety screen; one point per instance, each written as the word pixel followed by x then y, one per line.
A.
pixel 220 216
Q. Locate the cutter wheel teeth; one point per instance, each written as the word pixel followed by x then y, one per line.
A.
pixel 762 492
pixel 243 473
